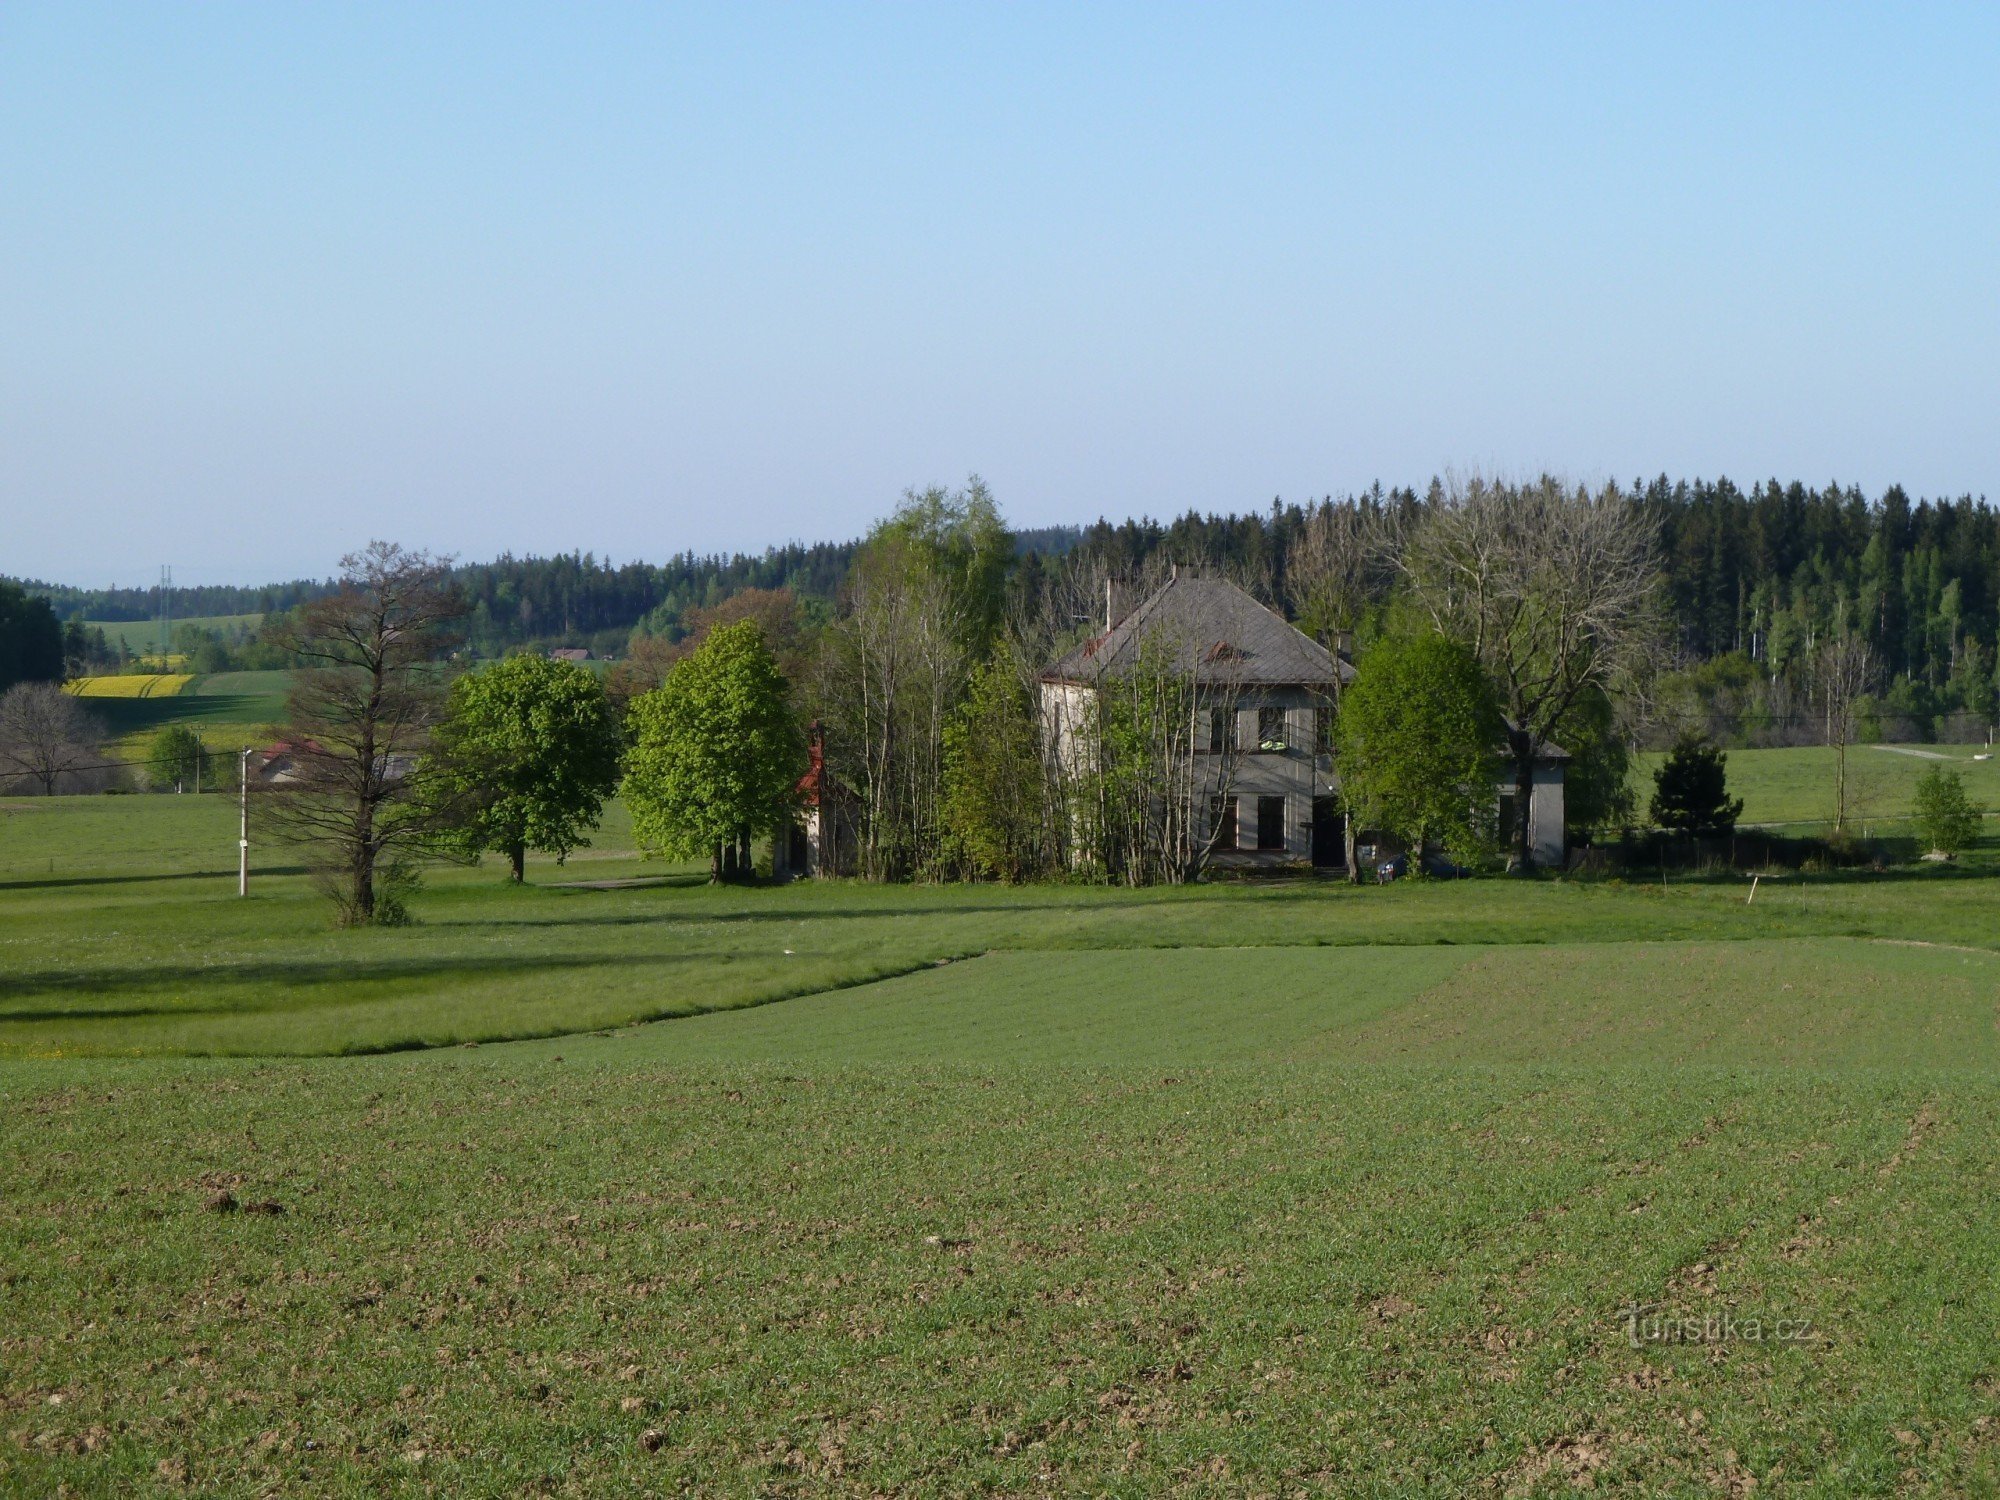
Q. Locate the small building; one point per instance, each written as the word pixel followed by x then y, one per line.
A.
pixel 823 840
pixel 1268 792
pixel 569 653
pixel 278 765
pixel 282 764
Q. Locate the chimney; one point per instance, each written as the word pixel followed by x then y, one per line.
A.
pixel 1110 604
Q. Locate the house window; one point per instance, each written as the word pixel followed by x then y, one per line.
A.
pixel 1270 823
pixel 1221 730
pixel 1509 819
pixel 1222 818
pixel 1270 729
pixel 1323 728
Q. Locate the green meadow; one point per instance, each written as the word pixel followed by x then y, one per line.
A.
pixel 142 636
pixel 1795 786
pixel 621 1183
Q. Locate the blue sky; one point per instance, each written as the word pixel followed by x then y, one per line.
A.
pixel 279 279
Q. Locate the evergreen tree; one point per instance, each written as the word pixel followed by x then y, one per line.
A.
pixel 1691 790
pixel 31 639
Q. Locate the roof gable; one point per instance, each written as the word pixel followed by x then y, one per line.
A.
pixel 1209 626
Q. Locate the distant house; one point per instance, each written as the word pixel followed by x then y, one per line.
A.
pixel 569 653
pixel 278 765
pixel 281 764
pixel 1269 794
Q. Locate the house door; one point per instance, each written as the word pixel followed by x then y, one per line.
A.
pixel 1329 833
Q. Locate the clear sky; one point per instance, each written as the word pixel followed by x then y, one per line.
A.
pixel 276 279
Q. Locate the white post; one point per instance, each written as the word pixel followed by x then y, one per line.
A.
pixel 243 837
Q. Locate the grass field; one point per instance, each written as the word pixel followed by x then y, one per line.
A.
pixel 144 635
pixel 1233 1190
pixel 1795 786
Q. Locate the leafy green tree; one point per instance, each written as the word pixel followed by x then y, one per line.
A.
pixel 1946 818
pixel 993 772
pixel 530 744
pixel 1691 789
pixel 716 754
pixel 177 758
pixel 1417 744
pixel 924 601
pixel 31 639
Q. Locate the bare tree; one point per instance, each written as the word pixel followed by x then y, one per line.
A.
pixel 1555 590
pixel 46 737
pixel 1843 668
pixel 1337 570
pixel 360 718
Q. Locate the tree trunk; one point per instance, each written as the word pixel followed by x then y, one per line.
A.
pixel 1840 788
pixel 715 864
pixel 1352 846
pixel 1524 804
pixel 517 856
pixel 745 865
pixel 364 887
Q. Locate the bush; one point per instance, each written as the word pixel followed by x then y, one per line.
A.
pixel 1946 818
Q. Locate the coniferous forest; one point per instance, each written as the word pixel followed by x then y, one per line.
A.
pixel 1752 580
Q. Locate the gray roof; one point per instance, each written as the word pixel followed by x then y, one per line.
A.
pixel 1211 624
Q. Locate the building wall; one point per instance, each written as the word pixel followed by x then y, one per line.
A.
pixel 1298 773
pixel 1548 830
pixel 1295 773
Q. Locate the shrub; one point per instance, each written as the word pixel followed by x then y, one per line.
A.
pixel 1946 818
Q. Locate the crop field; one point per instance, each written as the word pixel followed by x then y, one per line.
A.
pixel 1276 1189
pixel 228 710
pixel 131 685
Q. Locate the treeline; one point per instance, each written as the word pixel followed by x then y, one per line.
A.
pixel 575 599
pixel 128 605
pixel 1752 582
pixel 578 600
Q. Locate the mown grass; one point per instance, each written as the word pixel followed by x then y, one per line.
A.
pixel 1795 786
pixel 124 934
pixel 1824 1002
pixel 1234 1190
pixel 144 635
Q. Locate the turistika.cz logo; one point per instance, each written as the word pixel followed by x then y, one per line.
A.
pixel 1651 1323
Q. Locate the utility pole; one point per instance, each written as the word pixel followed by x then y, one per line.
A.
pixel 243 838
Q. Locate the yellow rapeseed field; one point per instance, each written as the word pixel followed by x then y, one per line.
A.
pixel 132 685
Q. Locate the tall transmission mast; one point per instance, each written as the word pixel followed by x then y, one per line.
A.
pixel 166 613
